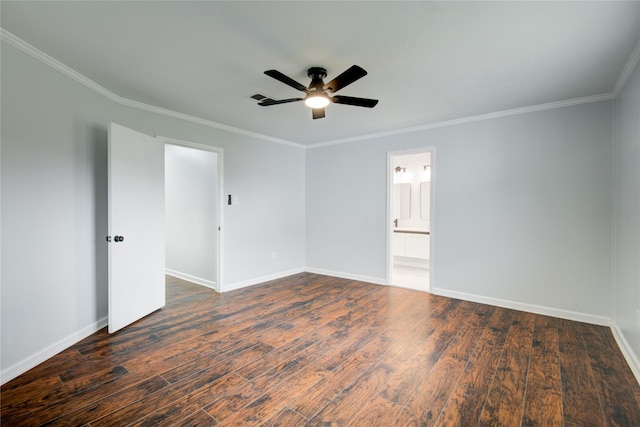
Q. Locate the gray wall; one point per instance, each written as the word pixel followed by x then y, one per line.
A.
pixel 522 209
pixel 627 214
pixel 191 212
pixel 54 205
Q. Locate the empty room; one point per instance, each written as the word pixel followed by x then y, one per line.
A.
pixel 313 213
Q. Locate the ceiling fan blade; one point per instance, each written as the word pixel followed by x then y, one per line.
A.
pixel 268 101
pixel 358 102
pixel 351 75
pixel 318 113
pixel 285 79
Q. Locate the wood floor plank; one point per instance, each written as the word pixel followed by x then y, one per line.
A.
pixel 161 361
pixel 177 390
pixel 378 412
pixel 226 406
pixel 344 407
pixel 284 332
pixel 610 375
pixel 543 404
pixel 580 399
pixel 40 379
pixel 468 335
pixel 404 382
pixel 61 400
pixel 317 350
pixel 26 396
pixel 507 393
pixel 427 403
pixel 198 419
pixel 467 400
pixel 282 355
pixel 222 360
pixel 487 353
pixel 110 404
pixel 463 408
pixel 275 399
pixel 78 381
pixel 143 407
pixel 406 377
pixel 190 403
pixel 506 396
pixel 356 340
pixel 319 396
pixel 286 418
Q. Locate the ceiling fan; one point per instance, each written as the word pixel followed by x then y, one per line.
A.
pixel 317 94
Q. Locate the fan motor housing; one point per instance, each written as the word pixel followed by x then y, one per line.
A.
pixel 317 73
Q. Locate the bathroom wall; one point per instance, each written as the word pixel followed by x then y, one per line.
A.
pixel 414 173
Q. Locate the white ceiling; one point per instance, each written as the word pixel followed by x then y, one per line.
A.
pixel 428 62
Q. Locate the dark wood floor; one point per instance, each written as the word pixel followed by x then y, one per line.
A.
pixel 318 351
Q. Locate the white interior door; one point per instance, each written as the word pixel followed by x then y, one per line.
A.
pixel 136 226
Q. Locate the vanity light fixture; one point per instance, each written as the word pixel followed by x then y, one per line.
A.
pixel 400 169
pixel 426 173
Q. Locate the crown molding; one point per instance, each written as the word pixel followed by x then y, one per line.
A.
pixel 85 81
pixel 25 47
pixel 627 70
pixel 205 122
pixel 69 72
pixel 480 117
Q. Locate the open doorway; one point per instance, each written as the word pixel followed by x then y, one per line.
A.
pixel 409 219
pixel 193 191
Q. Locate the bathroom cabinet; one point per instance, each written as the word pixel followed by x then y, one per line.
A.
pixel 411 244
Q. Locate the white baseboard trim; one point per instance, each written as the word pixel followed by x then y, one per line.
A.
pixel 193 279
pixel 258 280
pixel 531 308
pixel 340 274
pixel 627 351
pixel 34 360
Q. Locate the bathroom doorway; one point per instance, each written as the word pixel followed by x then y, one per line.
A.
pixel 409 210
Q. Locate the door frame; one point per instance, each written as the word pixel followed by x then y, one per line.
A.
pixel 389 222
pixel 220 152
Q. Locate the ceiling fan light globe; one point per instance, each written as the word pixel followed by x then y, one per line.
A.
pixel 317 101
